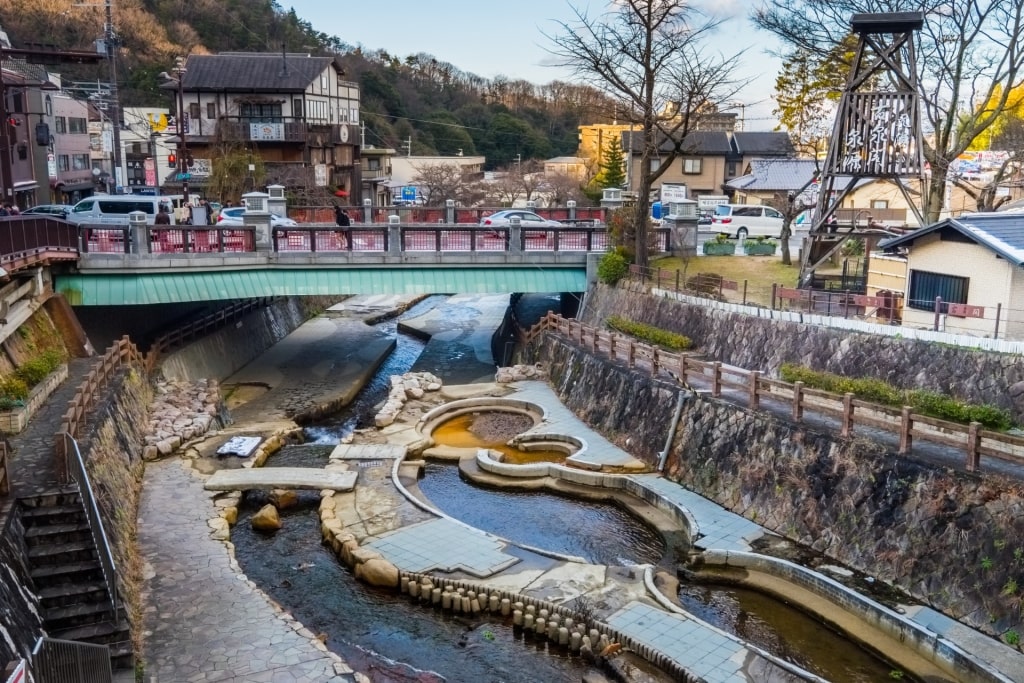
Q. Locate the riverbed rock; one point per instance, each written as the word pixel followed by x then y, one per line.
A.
pixel 378 572
pixel 284 499
pixel 266 519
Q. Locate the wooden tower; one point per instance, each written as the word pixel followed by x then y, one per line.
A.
pixel 877 132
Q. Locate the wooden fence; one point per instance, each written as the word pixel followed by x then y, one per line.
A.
pixel 751 384
pixel 89 393
pixel 202 327
pixel 5 483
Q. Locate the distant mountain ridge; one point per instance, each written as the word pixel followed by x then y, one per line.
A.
pixel 416 98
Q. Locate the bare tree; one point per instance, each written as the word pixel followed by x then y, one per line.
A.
pixel 647 55
pixel 440 182
pixel 562 187
pixel 507 186
pixel 969 61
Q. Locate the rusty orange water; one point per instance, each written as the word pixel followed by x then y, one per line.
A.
pixel 455 432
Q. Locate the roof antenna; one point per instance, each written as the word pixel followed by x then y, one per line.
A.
pixel 284 60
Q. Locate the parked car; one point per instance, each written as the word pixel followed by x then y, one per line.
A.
pixel 528 219
pixel 743 220
pixel 234 216
pixel 56 210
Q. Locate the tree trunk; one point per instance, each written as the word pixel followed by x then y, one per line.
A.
pixel 784 236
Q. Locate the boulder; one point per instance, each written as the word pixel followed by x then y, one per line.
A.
pixel 284 499
pixel 266 519
pixel 378 572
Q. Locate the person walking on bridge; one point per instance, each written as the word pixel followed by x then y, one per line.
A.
pixel 344 222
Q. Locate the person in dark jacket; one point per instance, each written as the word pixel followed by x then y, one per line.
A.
pixel 162 217
pixel 341 218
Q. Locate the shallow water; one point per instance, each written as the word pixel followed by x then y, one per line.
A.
pixel 601 533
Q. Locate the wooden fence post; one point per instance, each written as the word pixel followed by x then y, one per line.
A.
pixel 632 355
pixel 906 429
pixel 798 401
pixel 654 362
pixel 973 447
pixel 611 346
pixel 677 282
pixel 755 399
pixel 847 429
pixel 682 367
pixel 716 380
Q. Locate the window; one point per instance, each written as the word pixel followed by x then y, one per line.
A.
pixel 211 110
pixel 49 106
pixel 60 125
pixel 297 108
pixel 63 162
pixel 730 169
pixel 772 213
pixel 925 286
pixel 80 162
pixel 77 125
pixel 747 211
pixel 692 166
pixel 126 206
pixel 655 164
pixel 879 203
pixel 373 164
pixel 316 110
pixel 266 113
pixel 193 111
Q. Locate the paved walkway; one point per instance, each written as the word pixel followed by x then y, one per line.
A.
pixel 204 620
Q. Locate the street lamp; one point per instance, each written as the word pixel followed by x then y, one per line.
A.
pixel 179 120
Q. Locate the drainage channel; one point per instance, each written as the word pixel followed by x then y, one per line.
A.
pixel 383 634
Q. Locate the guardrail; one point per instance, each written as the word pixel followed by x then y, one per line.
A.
pixel 198 328
pixel 77 472
pixel 751 384
pixel 88 394
pixel 70 661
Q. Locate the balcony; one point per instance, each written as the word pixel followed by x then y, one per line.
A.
pixel 279 129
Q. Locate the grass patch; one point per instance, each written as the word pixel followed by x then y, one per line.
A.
pixel 927 403
pixel 650 334
pixel 760 273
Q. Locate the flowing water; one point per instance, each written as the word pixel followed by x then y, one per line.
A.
pixel 375 630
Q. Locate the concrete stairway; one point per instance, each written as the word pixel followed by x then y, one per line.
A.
pixel 65 568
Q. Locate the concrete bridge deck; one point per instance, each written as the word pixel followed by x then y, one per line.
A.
pixel 267 478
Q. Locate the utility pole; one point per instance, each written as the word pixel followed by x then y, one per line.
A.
pixel 407 146
pixel 179 120
pixel 110 41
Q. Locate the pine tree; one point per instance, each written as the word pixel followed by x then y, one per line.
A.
pixel 613 173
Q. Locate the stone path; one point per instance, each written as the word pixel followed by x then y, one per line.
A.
pixel 265 478
pixel 204 620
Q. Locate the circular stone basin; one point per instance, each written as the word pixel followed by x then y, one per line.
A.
pixel 493 430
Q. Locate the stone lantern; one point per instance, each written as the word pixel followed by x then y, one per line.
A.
pixel 276 203
pixel 257 216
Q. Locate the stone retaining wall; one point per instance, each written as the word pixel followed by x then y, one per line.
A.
pixel 762 344
pixel 894 518
pixel 227 350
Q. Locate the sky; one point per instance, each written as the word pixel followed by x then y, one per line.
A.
pixel 491 38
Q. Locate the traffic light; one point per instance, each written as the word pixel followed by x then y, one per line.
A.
pixel 172 161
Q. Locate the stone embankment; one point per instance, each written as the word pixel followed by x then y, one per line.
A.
pixel 180 412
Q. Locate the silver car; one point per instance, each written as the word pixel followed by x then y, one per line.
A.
pixel 528 219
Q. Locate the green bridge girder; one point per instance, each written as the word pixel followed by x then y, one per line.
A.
pixel 177 286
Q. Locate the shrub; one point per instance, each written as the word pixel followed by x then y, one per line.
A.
pixel 612 267
pixel 13 392
pixel 649 333
pixel 721 238
pixel 927 403
pixel 36 369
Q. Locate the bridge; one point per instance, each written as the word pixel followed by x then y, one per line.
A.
pixel 104 265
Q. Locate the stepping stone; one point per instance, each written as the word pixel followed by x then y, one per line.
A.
pixel 268 478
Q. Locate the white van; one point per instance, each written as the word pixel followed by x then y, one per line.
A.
pixel 742 220
pixel 114 209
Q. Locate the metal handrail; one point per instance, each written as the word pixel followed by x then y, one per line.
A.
pixel 75 467
pixel 70 661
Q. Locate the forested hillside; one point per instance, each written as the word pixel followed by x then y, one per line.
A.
pixel 419 97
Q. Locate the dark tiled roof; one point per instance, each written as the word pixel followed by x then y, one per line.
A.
pixel 1003 233
pixel 763 143
pixel 252 72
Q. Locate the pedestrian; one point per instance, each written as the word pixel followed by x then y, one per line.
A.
pixel 162 217
pixel 186 214
pixel 5 210
pixel 14 210
pixel 342 219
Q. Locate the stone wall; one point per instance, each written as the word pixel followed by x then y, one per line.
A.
pixel 20 613
pixel 227 350
pixel 951 540
pixel 761 344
